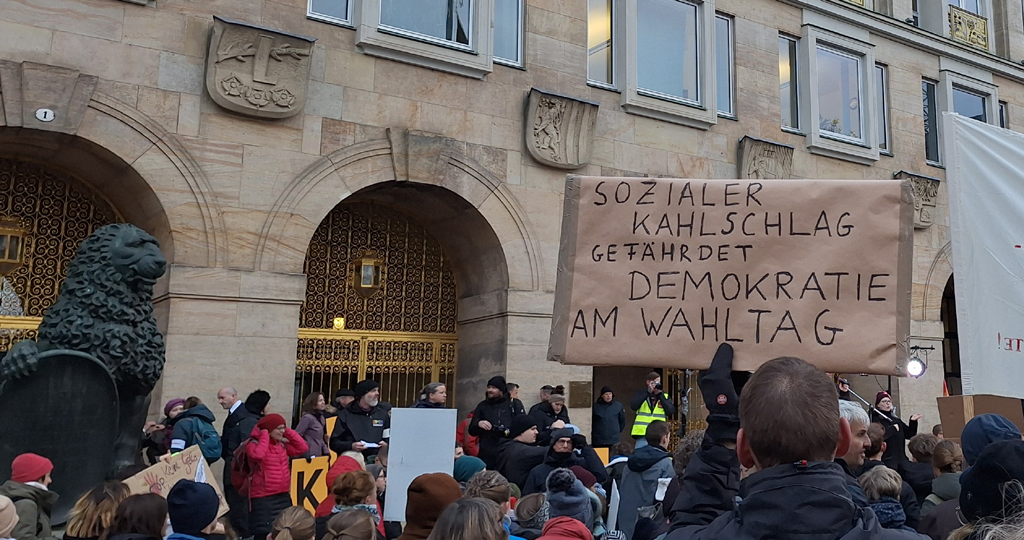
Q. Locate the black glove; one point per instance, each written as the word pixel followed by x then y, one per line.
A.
pixel 579 441
pixel 720 396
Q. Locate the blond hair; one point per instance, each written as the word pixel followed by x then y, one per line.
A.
pixel 358 456
pixel 489 485
pixel 881 482
pixel 294 523
pixel 95 510
pixel 470 518
pixel 351 525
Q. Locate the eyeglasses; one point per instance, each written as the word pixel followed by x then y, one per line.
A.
pixel 888 401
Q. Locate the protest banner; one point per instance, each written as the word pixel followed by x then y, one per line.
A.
pixel 309 484
pixel 659 272
pixel 986 215
pixel 422 441
pixel 185 465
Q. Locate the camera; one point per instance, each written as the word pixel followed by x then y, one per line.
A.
pixel 658 387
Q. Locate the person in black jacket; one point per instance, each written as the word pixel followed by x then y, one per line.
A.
pixel 919 472
pixel 552 415
pixel 544 395
pixel 787 430
pixel 492 420
pixel 363 421
pixel 230 438
pixel 566 450
pixel 433 396
pixel 908 500
pixel 609 420
pixel 519 456
pixel 897 433
pixel 512 389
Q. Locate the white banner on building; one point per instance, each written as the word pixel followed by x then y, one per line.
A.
pixel 985 175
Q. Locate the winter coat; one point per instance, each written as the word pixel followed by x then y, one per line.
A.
pixel 311 428
pixel 565 528
pixel 609 419
pixel 919 476
pixel 586 458
pixel 499 413
pixel 944 488
pixel 188 424
pixel 516 460
pixel 273 474
pixel 545 411
pixel 233 433
pixel 33 506
pixel 355 424
pixel 424 404
pixel 852 486
pixel 470 444
pixel 897 433
pixel 941 520
pixel 807 501
pixel 640 482
pixel 518 409
pixel 909 501
pixel 890 514
pixel 614 470
pixel 341 466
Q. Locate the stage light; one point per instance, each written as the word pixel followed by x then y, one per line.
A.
pixel 916 367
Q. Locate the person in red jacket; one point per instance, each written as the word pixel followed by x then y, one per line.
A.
pixel 271 445
pixel 470 444
pixel 565 528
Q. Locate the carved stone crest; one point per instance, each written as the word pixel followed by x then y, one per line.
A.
pixel 559 129
pixel 926 196
pixel 257 71
pixel 762 159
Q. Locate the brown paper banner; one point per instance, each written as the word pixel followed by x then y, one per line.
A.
pixel 659 272
pixel 184 465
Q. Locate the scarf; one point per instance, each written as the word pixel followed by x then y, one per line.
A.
pixel 371 508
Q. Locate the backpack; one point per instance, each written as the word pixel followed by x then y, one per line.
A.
pixel 204 435
pixel 242 470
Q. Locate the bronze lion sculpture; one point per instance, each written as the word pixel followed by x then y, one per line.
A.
pixel 105 309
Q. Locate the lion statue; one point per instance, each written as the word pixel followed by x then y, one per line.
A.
pixel 105 309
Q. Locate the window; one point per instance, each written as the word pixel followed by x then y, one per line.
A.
pixel 788 86
pixel 839 98
pixel 600 55
pixel 969 104
pixel 970 5
pixel 723 65
pixel 330 11
pixel 1004 122
pixel 931 122
pixel 447 22
pixel 882 101
pixel 508 32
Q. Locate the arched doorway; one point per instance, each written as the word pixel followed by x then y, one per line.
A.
pixel 58 212
pixel 950 341
pixel 399 329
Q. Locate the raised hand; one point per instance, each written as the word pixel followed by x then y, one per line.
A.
pixel 720 395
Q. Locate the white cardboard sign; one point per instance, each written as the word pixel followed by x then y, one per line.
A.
pixel 422 442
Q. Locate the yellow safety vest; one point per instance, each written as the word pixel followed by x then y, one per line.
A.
pixel 645 416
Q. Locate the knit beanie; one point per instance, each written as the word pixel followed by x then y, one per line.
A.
pixel 343 392
pixel 172 404
pixel 556 398
pixel 257 401
pixel 365 387
pixel 8 517
pixel 533 511
pixel 466 468
pixel 880 395
pixel 606 389
pixel 498 382
pixel 270 422
pixel 428 496
pixel 520 424
pixel 983 430
pixel 584 476
pixel 30 467
pixel 568 497
pixel 991 488
pixel 192 506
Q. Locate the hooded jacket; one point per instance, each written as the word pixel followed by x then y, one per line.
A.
pixel 33 506
pixel 499 413
pixel 609 419
pixel 186 429
pixel 565 528
pixel 355 424
pixel 516 460
pixel 919 476
pixel 890 513
pixel 586 458
pixel 941 520
pixel 273 474
pixel 944 488
pixel 909 501
pixel 640 482
pixel 809 502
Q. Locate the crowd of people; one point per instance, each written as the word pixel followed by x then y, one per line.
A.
pixel 781 457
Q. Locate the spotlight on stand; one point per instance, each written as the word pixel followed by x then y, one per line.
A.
pixel 916 366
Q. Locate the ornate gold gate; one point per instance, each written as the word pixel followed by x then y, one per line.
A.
pixel 398 327
pixel 683 384
pixel 58 212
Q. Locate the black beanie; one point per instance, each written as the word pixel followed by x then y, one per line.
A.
pixel 192 506
pixel 520 424
pixel 498 382
pixel 257 401
pixel 606 389
pixel 365 387
pixel 344 392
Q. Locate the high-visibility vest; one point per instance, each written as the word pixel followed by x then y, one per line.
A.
pixel 645 416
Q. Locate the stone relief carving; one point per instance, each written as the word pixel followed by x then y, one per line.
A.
pixel 257 71
pixel 967 27
pixel 26 88
pixel 760 159
pixel 559 129
pixel 926 196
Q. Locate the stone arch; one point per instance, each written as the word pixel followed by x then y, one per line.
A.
pixel 939 273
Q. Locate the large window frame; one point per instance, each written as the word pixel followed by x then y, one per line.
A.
pixel 730 81
pixel 882 103
pixel 793 50
pixel 520 36
pixel 330 19
pixel 614 18
pixel 950 80
pixel 931 112
pixel 699 113
pixel 864 149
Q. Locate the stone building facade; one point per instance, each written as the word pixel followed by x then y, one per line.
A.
pixel 233 129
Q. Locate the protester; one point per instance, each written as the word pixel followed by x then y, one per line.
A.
pixel 947 459
pixel 896 431
pixel 648 470
pixel 544 394
pixel 470 444
pixel 492 486
pixel 342 398
pixel 342 465
pixel 390 529
pixel 428 496
pixel 513 395
pixel 8 518
pixel 354 525
pixel 919 472
pixel 882 486
pixel 94 511
pixel 355 490
pixel 856 455
pixel 313 425
pixel 532 512
pixel 843 386
pixel 466 468
pixel 194 427
pixel 567 497
pixel 433 396
pixel 992 489
pixel 598 500
pixel 519 456
pixel 140 517
pixel 873 458
pixel 565 450
pixel 492 420
pixel 157 441
pixel 937 431
pixel 364 424
pixel 609 419
pixel 551 414
pixel 786 430
pixel 470 519
pixel 688 446
pixel 29 489
pixel 650 404
pixel 237 427
pixel 271 480
pixel 565 528
pixel 294 523
pixel 619 456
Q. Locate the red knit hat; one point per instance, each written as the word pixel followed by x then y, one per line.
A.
pixel 30 467
pixel 271 422
pixel 879 396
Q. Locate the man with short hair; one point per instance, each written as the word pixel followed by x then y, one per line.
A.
pixel 787 430
pixel 519 456
pixel 919 472
pixel 648 471
pixel 364 425
pixel 650 404
pixel 492 420
pixel 545 395
pixel 231 437
pixel 937 431
pixel 513 397
pixel 854 458
pixel 566 450
pixel 911 504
